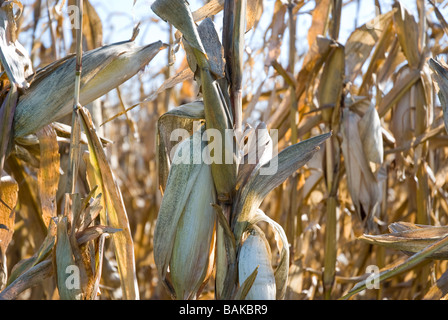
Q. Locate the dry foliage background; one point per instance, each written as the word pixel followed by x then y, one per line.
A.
pixel 385 163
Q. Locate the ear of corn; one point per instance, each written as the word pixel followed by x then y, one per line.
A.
pixel 184 235
pixel 50 95
pixel 193 251
pixel 256 254
pixel 362 183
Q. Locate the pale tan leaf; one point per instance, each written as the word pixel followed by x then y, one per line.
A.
pixel 116 211
pixel 48 175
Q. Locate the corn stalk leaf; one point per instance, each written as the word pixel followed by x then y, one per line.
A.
pixel 269 176
pixel 408 34
pixel 48 175
pixel 41 254
pixel 406 265
pixel 64 261
pixel 411 240
pixel 116 212
pixel 29 279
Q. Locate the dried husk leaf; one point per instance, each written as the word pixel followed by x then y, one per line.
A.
pixel 41 254
pixel 7 110
pixel 213 7
pixel 361 42
pixel 408 34
pixel 371 135
pixel 9 191
pixel 29 279
pixel 104 69
pixel 319 23
pixel 362 183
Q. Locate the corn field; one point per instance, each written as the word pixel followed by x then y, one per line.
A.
pixel 255 150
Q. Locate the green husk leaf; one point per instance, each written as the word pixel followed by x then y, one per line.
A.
pixel 269 176
pixel 64 261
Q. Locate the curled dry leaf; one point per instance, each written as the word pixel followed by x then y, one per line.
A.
pixel 411 239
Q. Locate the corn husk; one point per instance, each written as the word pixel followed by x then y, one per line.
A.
pixel 362 183
pixel 255 254
pixel 371 135
pixel 217 113
pixel 184 234
pixel 50 95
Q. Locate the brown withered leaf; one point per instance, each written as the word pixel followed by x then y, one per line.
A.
pixel 320 17
pixel 9 190
pixel 411 239
pixel 362 41
pixel 92 27
pixel 48 174
pixel 101 175
pixel 408 34
pixel 8 198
